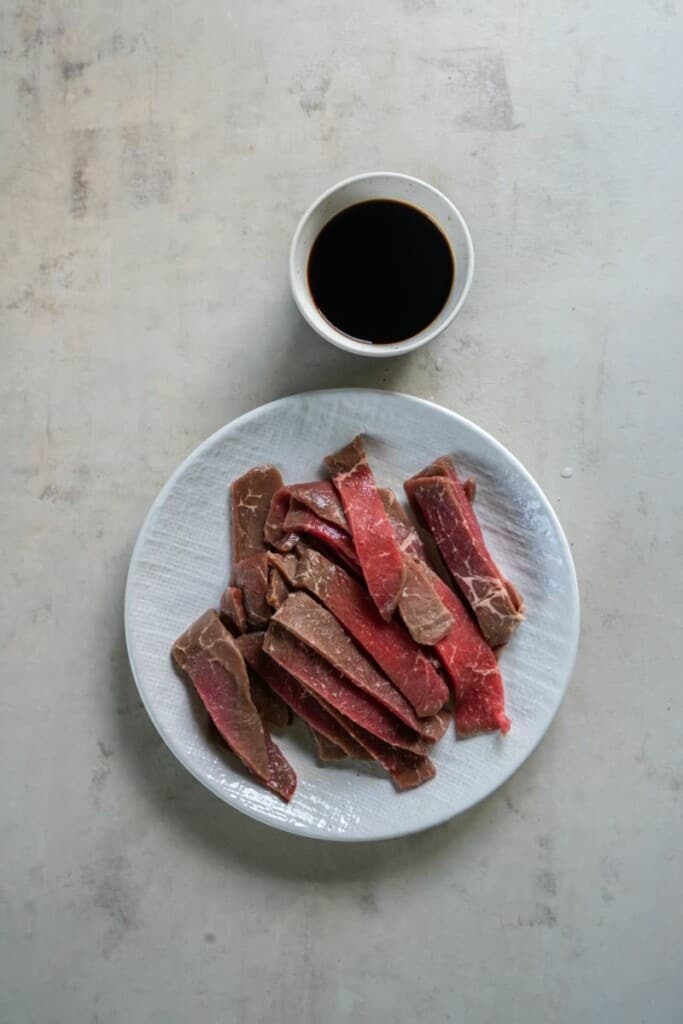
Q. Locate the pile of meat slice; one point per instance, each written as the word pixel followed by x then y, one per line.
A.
pixel 337 613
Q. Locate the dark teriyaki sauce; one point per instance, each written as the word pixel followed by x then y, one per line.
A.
pixel 380 271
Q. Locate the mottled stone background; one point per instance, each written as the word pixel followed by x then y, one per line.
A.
pixel 155 158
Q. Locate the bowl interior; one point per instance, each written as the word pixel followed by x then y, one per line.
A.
pixel 381 186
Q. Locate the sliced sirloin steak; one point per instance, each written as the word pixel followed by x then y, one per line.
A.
pixel 209 655
pixel 387 643
pixel 330 686
pixel 406 770
pixel 251 576
pixel 302 520
pixel 250 498
pixel 301 702
pixel 269 704
pixel 373 538
pixel 423 612
pixel 320 497
pixel 440 499
pixel 315 626
pixel 470 664
pixel 232 612
pixel 274 531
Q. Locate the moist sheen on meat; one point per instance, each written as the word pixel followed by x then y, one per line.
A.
pixel 374 541
pixel 316 627
pixel 301 702
pixel 251 576
pixel 209 655
pixel 321 497
pixel 469 661
pixel 391 647
pixel 440 498
pixel 232 612
pixel 250 498
pixel 329 685
pixel 301 520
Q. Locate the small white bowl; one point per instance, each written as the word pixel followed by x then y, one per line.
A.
pixel 381 185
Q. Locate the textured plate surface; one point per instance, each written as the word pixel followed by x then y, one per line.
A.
pixel 180 564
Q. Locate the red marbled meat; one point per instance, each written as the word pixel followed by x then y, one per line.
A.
pixel 469 661
pixel 301 702
pixel 321 497
pixel 273 530
pixel 425 615
pixel 396 653
pixel 473 671
pixel 251 576
pixel 321 679
pixel 406 770
pixel 441 501
pixel 316 627
pixel 209 655
pixel 250 498
pixel 302 520
pixel 232 612
pixel 380 558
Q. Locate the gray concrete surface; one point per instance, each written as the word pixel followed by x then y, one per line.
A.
pixel 155 158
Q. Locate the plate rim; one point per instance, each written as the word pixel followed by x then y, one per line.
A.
pixel 254 813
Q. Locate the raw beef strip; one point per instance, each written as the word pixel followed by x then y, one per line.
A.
pixel 270 706
pixel 373 538
pixel 281 776
pixel 407 770
pixel 285 565
pixel 469 661
pixel 277 592
pixel 232 612
pixel 446 510
pixel 321 679
pixel 316 627
pixel 407 536
pixel 425 615
pixel 327 749
pixel 209 655
pixel 273 530
pixel 301 702
pixel 250 497
pixel 473 671
pixel 321 497
pixel 302 520
pixel 396 653
pixel 445 467
pixel 251 575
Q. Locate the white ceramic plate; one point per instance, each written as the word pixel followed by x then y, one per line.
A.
pixel 180 566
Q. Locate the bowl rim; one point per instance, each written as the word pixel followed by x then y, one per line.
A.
pixel 331 334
